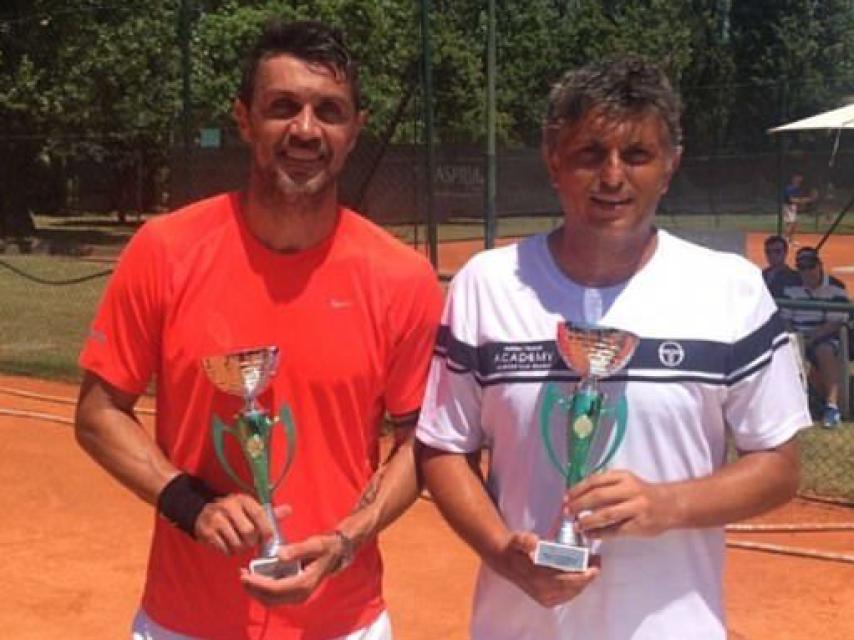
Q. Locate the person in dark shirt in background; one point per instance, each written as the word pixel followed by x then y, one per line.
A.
pixel 778 275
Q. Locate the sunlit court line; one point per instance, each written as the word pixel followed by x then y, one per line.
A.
pixel 57 399
pixel 36 415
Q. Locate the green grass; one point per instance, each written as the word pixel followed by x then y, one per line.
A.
pixel 42 327
pixel 99 231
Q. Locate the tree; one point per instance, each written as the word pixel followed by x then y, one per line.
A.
pixel 102 86
pixel 706 84
pixel 24 112
pixel 89 80
pixel 790 61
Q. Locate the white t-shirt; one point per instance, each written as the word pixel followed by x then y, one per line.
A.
pixel 713 359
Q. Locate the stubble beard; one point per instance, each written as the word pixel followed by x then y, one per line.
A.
pixel 291 189
pixel 278 186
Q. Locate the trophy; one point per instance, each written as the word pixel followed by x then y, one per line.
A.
pixel 247 373
pixel 593 353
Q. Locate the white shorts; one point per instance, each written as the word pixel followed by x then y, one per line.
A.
pixel 790 213
pixel 144 628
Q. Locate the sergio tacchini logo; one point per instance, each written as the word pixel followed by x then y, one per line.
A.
pixel 671 353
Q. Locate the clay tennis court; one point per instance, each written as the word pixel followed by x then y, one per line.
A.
pixel 74 543
pixel 74 548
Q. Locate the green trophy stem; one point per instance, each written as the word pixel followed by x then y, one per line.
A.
pixel 254 429
pixel 255 426
pixel 585 411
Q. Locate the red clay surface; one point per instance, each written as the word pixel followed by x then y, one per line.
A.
pixel 74 547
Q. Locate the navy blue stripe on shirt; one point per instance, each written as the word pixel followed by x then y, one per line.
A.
pixel 655 360
pixel 756 344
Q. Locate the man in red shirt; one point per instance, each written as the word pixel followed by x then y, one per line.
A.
pixel 353 313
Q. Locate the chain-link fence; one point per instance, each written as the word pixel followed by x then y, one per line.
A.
pixel 827 463
pixel 827 449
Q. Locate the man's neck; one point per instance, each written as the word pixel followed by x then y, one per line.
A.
pixel 290 225
pixel 602 259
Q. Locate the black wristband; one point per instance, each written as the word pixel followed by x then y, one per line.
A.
pixel 182 500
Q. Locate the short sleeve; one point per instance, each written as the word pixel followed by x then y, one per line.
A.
pixel 123 343
pixel 765 403
pixel 450 417
pixel 415 308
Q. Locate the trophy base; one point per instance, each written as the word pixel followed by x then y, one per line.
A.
pixel 563 557
pixel 274 568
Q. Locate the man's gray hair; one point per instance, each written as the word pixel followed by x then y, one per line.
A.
pixel 616 88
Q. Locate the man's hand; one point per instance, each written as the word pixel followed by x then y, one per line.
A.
pixel 319 556
pixel 234 523
pixel 619 503
pixel 546 586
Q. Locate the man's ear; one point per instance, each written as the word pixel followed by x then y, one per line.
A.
pixel 673 165
pixel 240 113
pixel 547 152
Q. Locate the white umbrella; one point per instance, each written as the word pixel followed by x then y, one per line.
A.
pixel 835 119
pixel 841 118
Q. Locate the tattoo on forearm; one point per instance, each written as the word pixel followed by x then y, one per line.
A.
pixel 404 427
pixel 369 495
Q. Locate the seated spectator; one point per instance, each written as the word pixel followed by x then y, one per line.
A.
pixel 778 275
pixel 819 328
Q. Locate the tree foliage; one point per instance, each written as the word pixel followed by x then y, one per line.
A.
pixel 102 79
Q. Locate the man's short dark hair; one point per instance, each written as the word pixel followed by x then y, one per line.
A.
pixel 772 240
pixel 307 40
pixel 807 258
pixel 618 88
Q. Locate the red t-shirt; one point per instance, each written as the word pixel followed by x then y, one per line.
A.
pixel 354 319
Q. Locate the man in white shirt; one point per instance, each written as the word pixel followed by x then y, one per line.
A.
pixel 713 365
